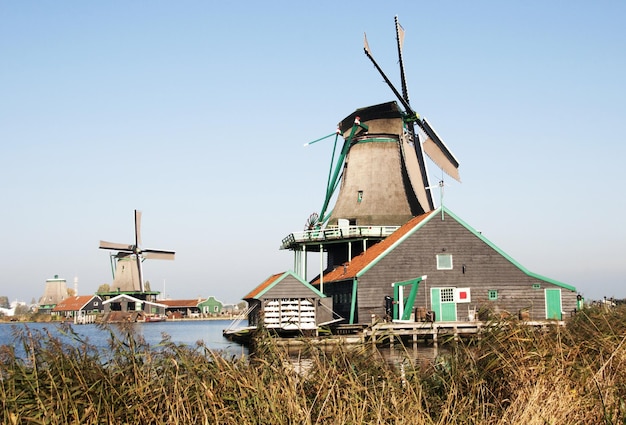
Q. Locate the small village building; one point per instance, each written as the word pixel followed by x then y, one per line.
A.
pixel 436 267
pixel 180 309
pixel 211 307
pixel 126 303
pixel 285 302
pixel 76 306
pixel 192 308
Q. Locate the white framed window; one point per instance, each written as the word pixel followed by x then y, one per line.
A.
pixel 447 295
pixel 444 261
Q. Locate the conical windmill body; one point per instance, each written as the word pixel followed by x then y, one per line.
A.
pixel 128 275
pixel 379 172
pixel 381 167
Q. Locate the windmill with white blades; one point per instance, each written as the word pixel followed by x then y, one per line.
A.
pixel 128 276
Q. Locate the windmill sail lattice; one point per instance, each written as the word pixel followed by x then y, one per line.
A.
pixel 128 271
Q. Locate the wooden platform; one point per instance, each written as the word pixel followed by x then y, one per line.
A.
pixel 389 332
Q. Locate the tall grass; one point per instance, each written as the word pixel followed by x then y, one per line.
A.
pixel 512 374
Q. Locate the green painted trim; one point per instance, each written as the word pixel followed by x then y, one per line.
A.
pixel 396 296
pixel 508 257
pixel 283 276
pixel 378 139
pixel 396 243
pixel 443 210
pixel 410 299
pixel 353 303
pixel 334 177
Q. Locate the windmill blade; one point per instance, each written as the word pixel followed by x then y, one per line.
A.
pixel 116 246
pixel 153 254
pixel 437 151
pixel 137 228
pixel 400 39
pixel 123 255
pixel 140 272
pixel 402 100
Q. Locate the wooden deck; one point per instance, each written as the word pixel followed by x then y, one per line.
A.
pixel 390 332
pixel 405 333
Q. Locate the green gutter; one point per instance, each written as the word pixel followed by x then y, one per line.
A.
pixel 508 257
pixel 353 303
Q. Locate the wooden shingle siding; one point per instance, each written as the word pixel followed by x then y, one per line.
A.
pixel 485 269
pixel 289 287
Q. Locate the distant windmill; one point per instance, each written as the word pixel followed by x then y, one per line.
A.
pixel 129 271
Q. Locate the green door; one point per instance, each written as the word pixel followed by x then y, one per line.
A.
pixel 442 302
pixel 553 304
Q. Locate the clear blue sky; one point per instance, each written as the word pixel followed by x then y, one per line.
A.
pixel 195 113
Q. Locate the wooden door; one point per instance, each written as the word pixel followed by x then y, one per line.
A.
pixel 442 303
pixel 553 304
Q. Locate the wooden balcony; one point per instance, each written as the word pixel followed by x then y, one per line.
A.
pixel 336 234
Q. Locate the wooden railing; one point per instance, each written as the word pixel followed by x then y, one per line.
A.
pixel 337 233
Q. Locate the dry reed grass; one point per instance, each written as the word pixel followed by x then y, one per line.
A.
pixel 513 374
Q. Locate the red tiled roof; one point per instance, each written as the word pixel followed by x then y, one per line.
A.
pixel 262 286
pixel 74 303
pixel 362 260
pixel 180 303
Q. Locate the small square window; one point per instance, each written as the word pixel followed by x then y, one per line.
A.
pixel 536 286
pixel 444 262
pixel 447 295
pixel 493 294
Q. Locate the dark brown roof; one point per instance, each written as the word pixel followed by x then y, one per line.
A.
pixel 362 260
pixel 74 303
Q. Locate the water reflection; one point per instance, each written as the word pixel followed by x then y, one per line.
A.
pixel 418 356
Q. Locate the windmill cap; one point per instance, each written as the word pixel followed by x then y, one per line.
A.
pixel 380 111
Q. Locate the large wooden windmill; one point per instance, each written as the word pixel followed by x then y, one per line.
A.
pixel 380 170
pixel 377 177
pixel 128 276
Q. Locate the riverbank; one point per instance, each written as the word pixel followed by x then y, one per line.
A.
pixel 46 318
pixel 512 374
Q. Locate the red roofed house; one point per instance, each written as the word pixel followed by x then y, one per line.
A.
pixel 437 263
pixel 285 302
pixel 78 305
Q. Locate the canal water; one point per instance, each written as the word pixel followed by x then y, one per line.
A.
pixel 179 332
pixel 209 332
